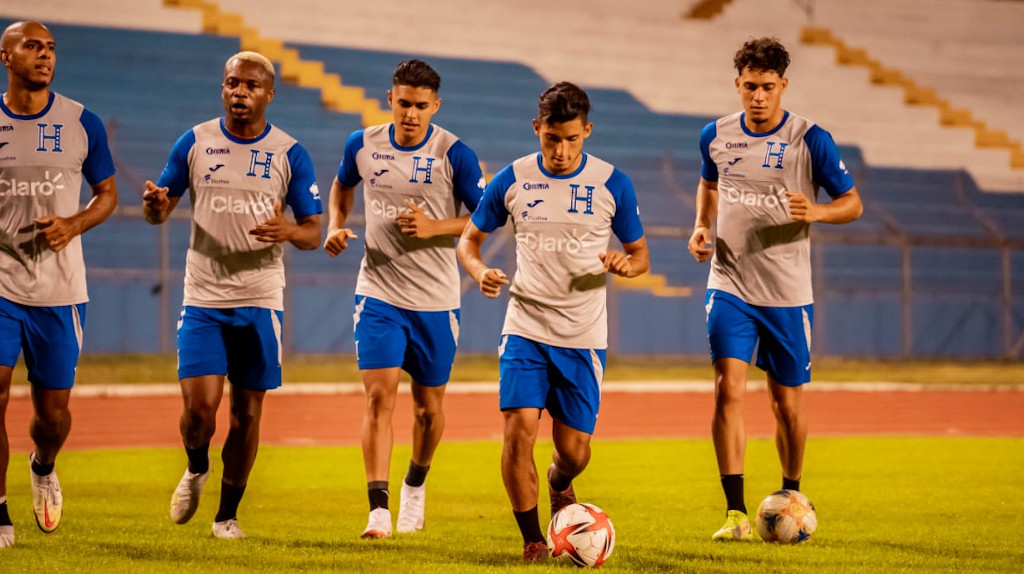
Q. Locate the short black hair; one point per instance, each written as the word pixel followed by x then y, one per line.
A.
pixel 763 54
pixel 416 74
pixel 563 102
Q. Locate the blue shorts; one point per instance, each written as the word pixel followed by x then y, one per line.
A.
pixel 782 336
pixel 50 336
pixel 243 343
pixel 566 382
pixel 422 343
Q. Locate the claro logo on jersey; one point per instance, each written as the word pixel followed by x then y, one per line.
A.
pixel 770 200
pixel 13 187
pixel 389 211
pixel 551 244
pixel 264 205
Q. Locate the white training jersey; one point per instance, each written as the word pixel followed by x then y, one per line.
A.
pixel 43 158
pixel 233 185
pixel 761 255
pixel 440 175
pixel 561 224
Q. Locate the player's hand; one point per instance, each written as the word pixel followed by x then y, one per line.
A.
pixel 700 244
pixel 416 222
pixel 491 281
pixel 801 208
pixel 155 198
pixel 337 241
pixel 617 262
pixel 55 232
pixel 277 229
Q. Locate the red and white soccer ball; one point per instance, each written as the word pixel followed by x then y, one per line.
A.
pixel 786 517
pixel 581 533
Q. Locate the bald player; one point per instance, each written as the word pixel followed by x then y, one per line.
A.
pixel 48 143
pixel 240 172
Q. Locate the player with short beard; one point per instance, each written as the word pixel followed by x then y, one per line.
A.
pixel 47 145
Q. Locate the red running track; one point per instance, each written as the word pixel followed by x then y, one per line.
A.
pixel 118 422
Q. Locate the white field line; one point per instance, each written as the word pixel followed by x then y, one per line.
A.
pixel 172 389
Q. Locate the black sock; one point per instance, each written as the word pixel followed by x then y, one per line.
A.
pixel 417 474
pixel 529 525
pixel 41 469
pixel 732 484
pixel 5 518
pixel 378 492
pixel 790 484
pixel 230 496
pixel 559 481
pixel 198 459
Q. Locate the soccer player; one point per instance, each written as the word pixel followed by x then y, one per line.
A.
pixel 759 182
pixel 47 144
pixel 239 171
pixel 564 205
pixel 416 176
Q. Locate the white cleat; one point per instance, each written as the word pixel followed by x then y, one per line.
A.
pixel 227 529
pixel 185 499
pixel 47 500
pixel 6 536
pixel 412 508
pixel 379 525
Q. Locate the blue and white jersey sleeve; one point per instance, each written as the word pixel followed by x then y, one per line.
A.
pixel 827 168
pixel 303 194
pixel 708 169
pixel 626 222
pixel 492 212
pixel 467 179
pixel 175 176
pixel 98 164
pixel 348 171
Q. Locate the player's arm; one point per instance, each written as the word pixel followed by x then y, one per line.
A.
pixel 633 260
pixel 416 223
pixel 706 207
pixel 58 231
pixel 468 251
pixel 842 209
pixel 156 204
pixel 829 172
pixel 339 206
pixel 304 233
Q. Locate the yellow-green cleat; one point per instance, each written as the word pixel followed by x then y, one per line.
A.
pixel 737 527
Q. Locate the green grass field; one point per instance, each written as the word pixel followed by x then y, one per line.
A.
pixel 103 369
pixel 884 505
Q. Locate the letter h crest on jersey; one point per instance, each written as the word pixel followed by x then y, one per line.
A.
pixel 770 155
pixel 45 138
pixel 575 196
pixel 254 161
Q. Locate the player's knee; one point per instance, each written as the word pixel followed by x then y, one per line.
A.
pixel 427 415
pixel 379 404
pixel 52 419
pixel 199 414
pixel 787 415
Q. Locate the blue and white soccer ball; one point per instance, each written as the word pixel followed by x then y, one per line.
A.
pixel 786 517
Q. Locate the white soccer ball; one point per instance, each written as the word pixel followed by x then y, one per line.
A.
pixel 786 517
pixel 581 533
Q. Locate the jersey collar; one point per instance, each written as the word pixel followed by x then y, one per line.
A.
pixel 540 165
pixel 15 116
pixel 394 144
pixel 743 124
pixel 237 140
